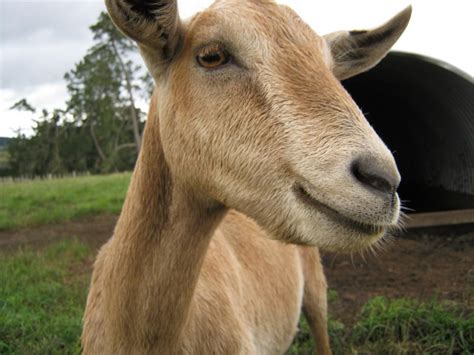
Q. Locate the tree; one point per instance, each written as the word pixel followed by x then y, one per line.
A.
pixel 39 154
pixel 107 35
pixel 103 88
pixel 23 105
pixel 100 131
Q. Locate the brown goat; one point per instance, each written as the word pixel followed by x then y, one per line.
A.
pixel 251 147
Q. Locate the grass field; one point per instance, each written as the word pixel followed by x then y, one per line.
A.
pixel 43 293
pixel 36 202
pixel 42 297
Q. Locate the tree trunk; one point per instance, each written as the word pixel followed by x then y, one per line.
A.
pixel 96 142
pixel 133 113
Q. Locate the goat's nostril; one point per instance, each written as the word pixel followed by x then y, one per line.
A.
pixel 370 174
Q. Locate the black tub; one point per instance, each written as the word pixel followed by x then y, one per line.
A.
pixel 424 111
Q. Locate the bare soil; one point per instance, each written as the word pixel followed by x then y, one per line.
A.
pixel 93 231
pixel 417 265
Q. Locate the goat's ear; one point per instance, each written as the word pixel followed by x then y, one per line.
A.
pixel 354 52
pixel 153 24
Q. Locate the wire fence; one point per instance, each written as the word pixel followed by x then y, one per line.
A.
pixel 6 179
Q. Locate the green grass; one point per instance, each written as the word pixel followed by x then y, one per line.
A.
pixel 42 296
pixel 399 326
pixel 432 327
pixel 46 201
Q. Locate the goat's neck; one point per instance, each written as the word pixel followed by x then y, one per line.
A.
pixel 157 251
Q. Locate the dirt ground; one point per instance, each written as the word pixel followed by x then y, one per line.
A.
pixel 418 265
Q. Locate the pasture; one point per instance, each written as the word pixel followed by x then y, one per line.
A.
pixel 35 202
pixel 415 297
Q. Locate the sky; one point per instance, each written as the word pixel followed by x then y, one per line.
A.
pixel 40 40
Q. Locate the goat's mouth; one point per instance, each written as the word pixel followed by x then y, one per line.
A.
pixel 335 216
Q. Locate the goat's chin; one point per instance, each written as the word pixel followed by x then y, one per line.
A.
pixel 318 229
pixel 310 222
pixel 330 236
pixel 343 239
pixel 288 220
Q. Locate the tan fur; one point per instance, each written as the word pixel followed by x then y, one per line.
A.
pixel 185 273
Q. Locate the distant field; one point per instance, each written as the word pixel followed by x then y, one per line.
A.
pixel 36 202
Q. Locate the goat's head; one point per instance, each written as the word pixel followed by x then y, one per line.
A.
pixel 252 116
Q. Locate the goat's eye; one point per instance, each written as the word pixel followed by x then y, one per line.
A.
pixel 212 57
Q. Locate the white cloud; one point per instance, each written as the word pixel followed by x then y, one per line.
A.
pixel 40 62
pixel 41 40
pixel 47 96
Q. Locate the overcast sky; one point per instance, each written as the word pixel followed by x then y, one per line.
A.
pixel 41 40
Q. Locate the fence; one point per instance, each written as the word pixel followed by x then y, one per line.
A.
pixel 74 174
